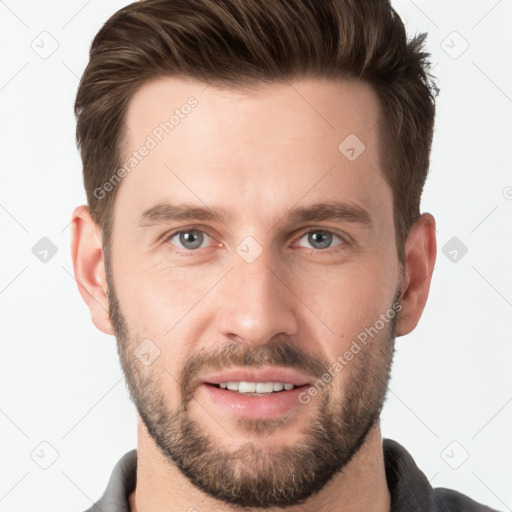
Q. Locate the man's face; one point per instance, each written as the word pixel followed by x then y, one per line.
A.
pixel 261 294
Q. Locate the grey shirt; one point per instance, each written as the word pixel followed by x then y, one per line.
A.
pixel 409 488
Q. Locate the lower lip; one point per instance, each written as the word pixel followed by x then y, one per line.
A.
pixel 269 406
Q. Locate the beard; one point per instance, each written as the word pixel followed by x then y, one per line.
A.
pixel 259 473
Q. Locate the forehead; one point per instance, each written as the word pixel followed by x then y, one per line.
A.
pixel 306 140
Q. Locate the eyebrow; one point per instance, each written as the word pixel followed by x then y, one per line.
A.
pixel 162 213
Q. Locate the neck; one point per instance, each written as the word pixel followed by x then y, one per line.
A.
pixel 360 487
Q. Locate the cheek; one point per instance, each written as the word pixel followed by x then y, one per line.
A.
pixel 157 294
pixel 346 295
pixel 345 302
pixel 162 304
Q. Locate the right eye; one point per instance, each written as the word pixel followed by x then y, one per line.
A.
pixel 190 239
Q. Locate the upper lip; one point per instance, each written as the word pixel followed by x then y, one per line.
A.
pixel 267 374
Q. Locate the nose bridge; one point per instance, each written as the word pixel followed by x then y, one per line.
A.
pixel 256 303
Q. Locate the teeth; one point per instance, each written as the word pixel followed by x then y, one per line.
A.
pixel 264 387
pixel 246 387
pixel 256 387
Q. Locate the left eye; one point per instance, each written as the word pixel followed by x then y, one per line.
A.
pixel 191 239
pixel 320 239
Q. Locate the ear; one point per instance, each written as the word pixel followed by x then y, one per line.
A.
pixel 420 250
pixel 89 266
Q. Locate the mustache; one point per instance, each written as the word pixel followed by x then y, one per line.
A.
pixel 274 353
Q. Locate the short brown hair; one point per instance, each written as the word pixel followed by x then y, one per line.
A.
pixel 240 43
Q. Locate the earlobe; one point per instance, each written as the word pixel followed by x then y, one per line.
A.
pixel 89 267
pixel 420 249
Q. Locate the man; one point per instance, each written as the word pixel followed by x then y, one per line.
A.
pixel 253 239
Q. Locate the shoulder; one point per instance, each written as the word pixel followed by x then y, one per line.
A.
pixel 121 484
pixel 411 490
pixel 449 500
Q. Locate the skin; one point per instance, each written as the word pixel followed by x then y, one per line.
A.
pixel 257 155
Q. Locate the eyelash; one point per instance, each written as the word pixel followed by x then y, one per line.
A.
pixel 188 252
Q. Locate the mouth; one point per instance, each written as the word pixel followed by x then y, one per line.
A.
pixel 255 388
pixel 255 394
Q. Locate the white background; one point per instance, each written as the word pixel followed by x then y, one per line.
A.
pixel 61 382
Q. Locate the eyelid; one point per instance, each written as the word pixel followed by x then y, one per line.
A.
pixel 312 229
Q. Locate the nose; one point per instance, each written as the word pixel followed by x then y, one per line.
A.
pixel 256 302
